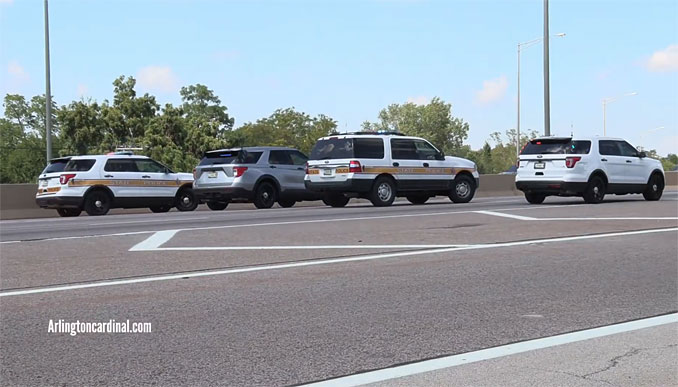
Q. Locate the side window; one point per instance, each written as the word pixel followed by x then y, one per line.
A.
pixel 298 158
pixel 609 148
pixel 252 157
pixel 279 157
pixel 368 148
pixel 403 149
pixel 627 149
pixel 149 166
pixel 81 165
pixel 120 165
pixel 425 151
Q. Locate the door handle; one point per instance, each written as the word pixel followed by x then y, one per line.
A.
pixel 426 164
pixel 273 166
pixel 396 164
pixel 108 175
pixel 603 159
pixel 300 169
pixel 145 177
pixel 629 161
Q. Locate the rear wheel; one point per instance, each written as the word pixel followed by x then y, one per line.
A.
pixel 335 200
pixel 217 206
pixel 595 191
pixel 159 209
pixel 383 192
pixel 463 190
pixel 655 188
pixel 186 200
pixel 417 199
pixel 535 197
pixel 265 195
pixel 97 203
pixel 286 203
pixel 68 212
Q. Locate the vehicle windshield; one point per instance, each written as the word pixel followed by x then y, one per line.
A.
pixel 556 146
pixel 56 165
pixel 345 148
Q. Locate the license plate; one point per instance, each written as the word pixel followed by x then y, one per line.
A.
pixel 327 172
pixel 539 165
pixel 212 174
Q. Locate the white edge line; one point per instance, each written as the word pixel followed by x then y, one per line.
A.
pixel 320 247
pixel 493 213
pixel 496 352
pixel 148 221
pixel 314 263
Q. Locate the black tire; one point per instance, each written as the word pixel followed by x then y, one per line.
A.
pixel 286 203
pixel 97 203
pixel 383 192
pixel 160 209
pixel 655 188
pixel 265 195
pixel 463 190
pixel 186 200
pixel 217 206
pixel 335 200
pixel 68 212
pixel 417 199
pixel 595 190
pixel 535 197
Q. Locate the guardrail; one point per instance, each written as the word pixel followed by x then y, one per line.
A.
pixel 17 201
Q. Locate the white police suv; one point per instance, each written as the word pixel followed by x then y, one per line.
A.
pixel 586 167
pixel 380 166
pixel 97 183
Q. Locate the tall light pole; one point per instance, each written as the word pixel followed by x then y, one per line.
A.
pixel 522 46
pixel 608 100
pixel 547 94
pixel 48 91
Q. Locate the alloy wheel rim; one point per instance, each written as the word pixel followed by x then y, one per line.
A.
pixel 384 192
pixel 462 189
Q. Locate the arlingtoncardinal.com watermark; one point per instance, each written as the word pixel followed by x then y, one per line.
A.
pixel 111 326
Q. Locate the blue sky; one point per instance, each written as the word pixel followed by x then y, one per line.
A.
pixel 349 59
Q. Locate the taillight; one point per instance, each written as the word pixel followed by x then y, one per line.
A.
pixel 570 162
pixel 239 171
pixel 354 167
pixel 65 178
pixel 195 173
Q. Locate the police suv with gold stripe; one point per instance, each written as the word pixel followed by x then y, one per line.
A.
pixel 97 183
pixel 380 166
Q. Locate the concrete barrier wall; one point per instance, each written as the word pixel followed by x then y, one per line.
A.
pixel 17 201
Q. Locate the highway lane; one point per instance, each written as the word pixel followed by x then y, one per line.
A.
pixel 525 272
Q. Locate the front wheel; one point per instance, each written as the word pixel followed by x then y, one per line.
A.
pixel 97 203
pixel 383 192
pixel 655 188
pixel 265 195
pixel 217 206
pixel 534 198
pixel 286 203
pixel 595 191
pixel 335 200
pixel 68 212
pixel 160 209
pixel 186 200
pixel 463 190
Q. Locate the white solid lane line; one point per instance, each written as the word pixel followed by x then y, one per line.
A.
pixel 292 247
pixel 148 221
pixel 314 262
pixel 493 353
pixel 512 216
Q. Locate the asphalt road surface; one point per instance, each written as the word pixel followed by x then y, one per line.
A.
pixel 293 296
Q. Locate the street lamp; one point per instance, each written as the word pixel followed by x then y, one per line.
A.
pixel 48 91
pixel 608 100
pixel 522 46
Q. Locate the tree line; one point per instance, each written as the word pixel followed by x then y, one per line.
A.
pixel 179 135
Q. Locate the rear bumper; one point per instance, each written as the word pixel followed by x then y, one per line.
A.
pixel 222 194
pixel 59 201
pixel 563 188
pixel 348 185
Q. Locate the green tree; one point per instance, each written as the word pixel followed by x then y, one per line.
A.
pixel 433 121
pixel 83 128
pixel 164 136
pixel 208 125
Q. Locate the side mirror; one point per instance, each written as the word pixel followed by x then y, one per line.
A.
pixel 642 154
pixel 440 155
pixel 167 171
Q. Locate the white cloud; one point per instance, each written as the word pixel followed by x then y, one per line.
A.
pixel 493 90
pixel 420 100
pixel 158 78
pixel 664 60
pixel 6 1
pixel 83 90
pixel 17 72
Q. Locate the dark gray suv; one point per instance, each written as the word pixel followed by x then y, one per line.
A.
pixel 261 175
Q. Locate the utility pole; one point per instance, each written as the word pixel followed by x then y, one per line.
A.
pixel 547 99
pixel 48 91
pixel 518 110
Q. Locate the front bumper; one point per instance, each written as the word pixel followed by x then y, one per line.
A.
pixel 348 185
pixel 554 187
pixel 226 194
pixel 59 201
